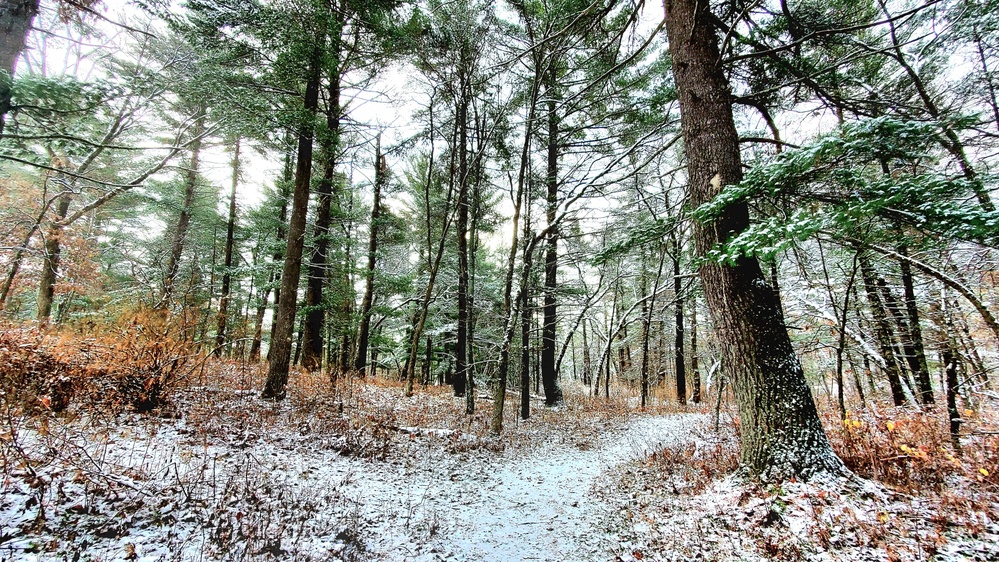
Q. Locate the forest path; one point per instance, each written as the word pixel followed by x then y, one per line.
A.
pixel 538 505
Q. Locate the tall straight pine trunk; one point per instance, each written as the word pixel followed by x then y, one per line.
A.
pixel 315 318
pixel 549 372
pixel 184 219
pixel 363 332
pixel 781 434
pixel 284 323
pixel 230 240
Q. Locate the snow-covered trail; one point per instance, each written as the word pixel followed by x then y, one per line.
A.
pixel 534 506
pixel 161 491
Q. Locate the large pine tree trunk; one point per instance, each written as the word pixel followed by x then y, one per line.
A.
pixel 15 23
pixel 284 323
pixel 315 318
pixel 781 434
pixel 461 121
pixel 549 373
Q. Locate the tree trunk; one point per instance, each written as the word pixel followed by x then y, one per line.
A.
pixel 314 322
pixel 499 391
pixel 315 317
pixel 184 220
pixel 921 369
pixel 695 374
pixel 950 369
pixel 15 24
pixel 461 121
pixel 473 251
pixel 361 361
pixel 50 261
pixel 525 329
pixel 681 364
pixel 421 317
pixel 841 344
pixel 284 323
pixel 549 375
pixel 903 344
pixel 643 288
pixel 781 434
pixel 648 309
pixel 230 235
pixel 882 330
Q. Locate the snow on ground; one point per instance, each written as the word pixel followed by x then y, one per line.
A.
pixel 536 506
pixel 151 489
pixel 241 479
pixel 838 519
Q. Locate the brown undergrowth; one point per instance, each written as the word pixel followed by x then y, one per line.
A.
pixel 134 364
pixel 927 498
pixel 145 361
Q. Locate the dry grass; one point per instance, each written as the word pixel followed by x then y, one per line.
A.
pixel 131 366
pixel 926 497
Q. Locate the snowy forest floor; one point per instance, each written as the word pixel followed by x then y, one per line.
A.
pixel 365 474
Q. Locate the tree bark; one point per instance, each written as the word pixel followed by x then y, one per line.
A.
pixel 361 361
pixel 315 317
pixel 781 434
pixel 647 311
pixel 284 323
pixel 525 327
pixel 643 288
pixel 882 330
pixel 680 359
pixel 919 364
pixel 230 235
pixel 499 390
pixel 15 24
pixel 549 374
pixel 695 373
pixel 954 417
pixel 50 261
pixel 473 235
pixel 461 121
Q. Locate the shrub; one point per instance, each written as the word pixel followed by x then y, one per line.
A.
pixel 131 365
pixel 911 451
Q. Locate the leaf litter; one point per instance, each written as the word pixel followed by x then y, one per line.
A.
pixel 366 475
